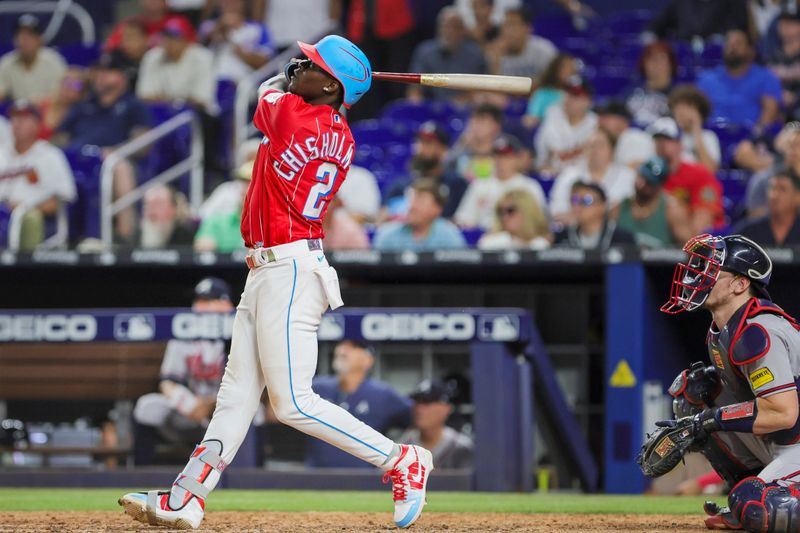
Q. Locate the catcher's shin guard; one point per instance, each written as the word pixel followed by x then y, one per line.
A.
pixel 200 475
pixel 765 507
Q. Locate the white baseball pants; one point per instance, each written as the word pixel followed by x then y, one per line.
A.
pixel 274 343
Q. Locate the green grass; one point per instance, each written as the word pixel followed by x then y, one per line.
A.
pixel 13 499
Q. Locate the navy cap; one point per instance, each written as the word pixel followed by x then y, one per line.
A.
pixel 212 289
pixel 506 144
pixel 655 170
pixel 431 390
pixel 432 130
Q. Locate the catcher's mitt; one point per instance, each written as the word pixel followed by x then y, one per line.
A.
pixel 665 448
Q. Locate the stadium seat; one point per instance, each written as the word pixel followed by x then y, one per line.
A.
pixel 629 23
pixel 78 54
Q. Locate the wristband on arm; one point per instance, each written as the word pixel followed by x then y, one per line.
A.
pixel 738 417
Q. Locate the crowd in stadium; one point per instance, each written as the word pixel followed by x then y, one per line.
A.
pixel 644 127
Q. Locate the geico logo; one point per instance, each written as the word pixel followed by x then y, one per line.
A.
pixel 418 326
pixel 202 326
pixel 52 328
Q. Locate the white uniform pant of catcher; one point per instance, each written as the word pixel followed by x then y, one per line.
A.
pixel 785 466
pixel 274 343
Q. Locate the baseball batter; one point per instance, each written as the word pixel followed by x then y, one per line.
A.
pixel 741 411
pixel 304 157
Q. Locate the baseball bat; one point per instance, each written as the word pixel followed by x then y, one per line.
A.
pixel 472 82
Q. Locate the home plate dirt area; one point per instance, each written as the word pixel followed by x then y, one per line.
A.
pixel 253 522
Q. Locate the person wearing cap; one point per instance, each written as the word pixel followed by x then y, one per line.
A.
pixel 30 71
pixel 691 109
pixel 372 401
pixel 741 91
pixel 691 184
pixel 220 231
pixel 240 46
pixel 784 61
pixel 34 175
pixel 153 15
pixel 190 376
pixel 654 217
pixel 165 221
pixel 432 408
pixel 110 117
pixel 592 227
pixel 517 51
pixel 632 145
pixel 597 167
pixel 781 225
pixel 449 51
pixel 425 230
pixel 178 70
pixel 428 160
pixel 477 208
pixel 471 156
pixel 566 128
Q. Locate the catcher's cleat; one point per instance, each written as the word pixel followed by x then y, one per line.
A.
pixel 719 517
pixel 409 476
pixel 153 508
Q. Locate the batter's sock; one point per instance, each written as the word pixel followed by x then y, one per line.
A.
pixel 199 476
pixel 392 455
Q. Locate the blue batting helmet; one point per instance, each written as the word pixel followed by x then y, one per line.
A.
pixel 344 61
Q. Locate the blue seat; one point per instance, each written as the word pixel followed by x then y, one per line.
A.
pixel 629 22
pixel 84 213
pixel 78 54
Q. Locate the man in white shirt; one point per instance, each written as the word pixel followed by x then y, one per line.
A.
pixel 477 207
pixel 178 70
pixel 517 52
pixel 566 129
pixel 6 136
pixel 633 146
pixel 31 71
pixel 33 174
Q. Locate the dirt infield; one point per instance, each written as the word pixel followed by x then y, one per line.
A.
pixel 248 522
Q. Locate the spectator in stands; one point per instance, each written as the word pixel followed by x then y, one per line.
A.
pixel 520 222
pixel 549 88
pixel 178 70
pixel 766 164
pixel 133 46
pixel 154 16
pixel 240 46
pixel 292 20
pixel 691 109
pixel 6 137
pixel 371 401
pixel 690 183
pixel 477 207
pixel 741 91
pixel 73 89
pixel 342 231
pixel 517 51
pixel 633 146
pixel 34 174
pixel 598 167
pixel 432 408
pixel 472 154
pixel 31 71
pixel 190 376
pixel 654 217
pixel 360 194
pixel 424 229
pixel 220 231
pixel 784 62
pixel 566 129
pixel 689 19
pixel 658 67
pixel 591 229
pixel 450 51
pixel 110 118
pixel 780 226
pixel 484 30
pixel 227 196
pixel 428 160
pixel 165 219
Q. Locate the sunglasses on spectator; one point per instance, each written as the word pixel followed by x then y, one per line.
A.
pixel 582 199
pixel 507 210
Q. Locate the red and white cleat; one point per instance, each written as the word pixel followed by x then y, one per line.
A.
pixel 153 508
pixel 409 476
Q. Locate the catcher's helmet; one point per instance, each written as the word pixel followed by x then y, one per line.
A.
pixel 708 256
pixel 344 61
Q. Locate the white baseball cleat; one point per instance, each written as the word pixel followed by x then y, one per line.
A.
pixel 409 476
pixel 153 508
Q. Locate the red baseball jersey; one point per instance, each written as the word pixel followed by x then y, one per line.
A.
pixel 301 163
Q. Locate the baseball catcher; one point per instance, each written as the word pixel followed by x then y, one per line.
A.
pixel 741 411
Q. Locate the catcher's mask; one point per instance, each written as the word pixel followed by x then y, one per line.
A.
pixel 708 255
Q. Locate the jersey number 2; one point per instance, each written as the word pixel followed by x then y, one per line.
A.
pixel 319 195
